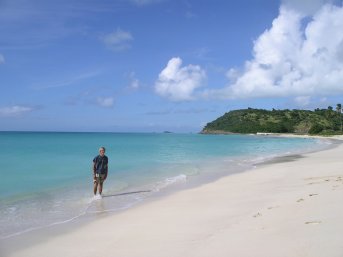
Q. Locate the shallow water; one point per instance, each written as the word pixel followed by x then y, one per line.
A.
pixel 47 177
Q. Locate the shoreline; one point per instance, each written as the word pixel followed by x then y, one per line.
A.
pixel 210 172
pixel 185 176
pixel 292 135
pixel 66 234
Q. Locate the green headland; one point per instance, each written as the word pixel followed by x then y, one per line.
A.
pixel 246 121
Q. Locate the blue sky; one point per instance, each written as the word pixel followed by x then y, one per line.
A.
pixel 155 65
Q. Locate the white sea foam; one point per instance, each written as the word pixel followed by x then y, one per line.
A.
pixel 182 178
pixel 97 197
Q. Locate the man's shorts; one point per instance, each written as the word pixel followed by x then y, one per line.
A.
pixel 99 178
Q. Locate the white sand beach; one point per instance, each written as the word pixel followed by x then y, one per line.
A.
pixel 283 209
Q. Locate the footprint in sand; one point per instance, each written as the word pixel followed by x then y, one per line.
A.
pixel 318 180
pixel 312 194
pixel 302 199
pixel 257 215
pixel 315 222
pixel 273 207
pixel 334 187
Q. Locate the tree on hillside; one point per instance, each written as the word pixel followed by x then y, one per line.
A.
pixel 330 108
pixel 339 110
pixel 338 107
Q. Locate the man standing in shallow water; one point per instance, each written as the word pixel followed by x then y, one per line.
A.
pixel 100 170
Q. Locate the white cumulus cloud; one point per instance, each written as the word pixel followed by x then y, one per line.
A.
pixel 179 83
pixel 118 40
pixel 105 101
pixel 2 59
pixel 134 82
pixel 14 111
pixel 294 58
pixel 302 100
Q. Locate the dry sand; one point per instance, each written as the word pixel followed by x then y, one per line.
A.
pixel 288 209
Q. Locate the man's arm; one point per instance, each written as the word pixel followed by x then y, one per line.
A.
pixel 106 170
pixel 94 170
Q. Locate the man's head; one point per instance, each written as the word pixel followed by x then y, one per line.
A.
pixel 102 151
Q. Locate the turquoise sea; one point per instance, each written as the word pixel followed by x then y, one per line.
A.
pixel 46 177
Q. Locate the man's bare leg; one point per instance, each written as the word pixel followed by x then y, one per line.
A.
pixel 100 187
pixel 96 187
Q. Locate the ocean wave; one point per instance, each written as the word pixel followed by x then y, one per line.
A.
pixel 182 178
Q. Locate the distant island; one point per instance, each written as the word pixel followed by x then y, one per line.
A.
pixel 246 121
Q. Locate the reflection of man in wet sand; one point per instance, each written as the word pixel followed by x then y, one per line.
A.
pixel 100 170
